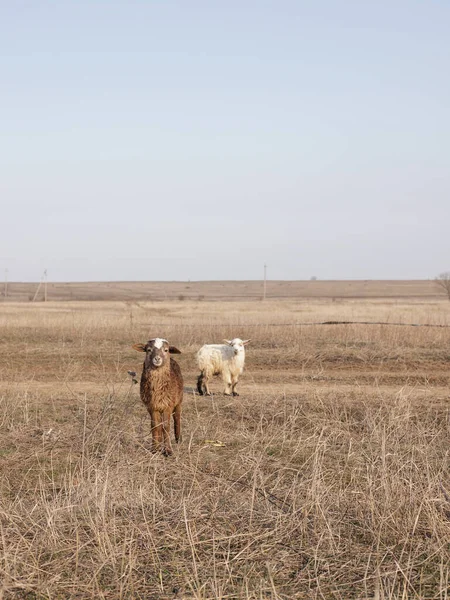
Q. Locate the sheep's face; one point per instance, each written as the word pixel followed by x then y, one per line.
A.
pixel 156 352
pixel 237 344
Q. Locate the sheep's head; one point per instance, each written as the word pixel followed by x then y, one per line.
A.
pixel 157 352
pixel 237 344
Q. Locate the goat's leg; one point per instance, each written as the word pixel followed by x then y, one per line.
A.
pixel 166 432
pixel 234 382
pixel 200 384
pixel 156 430
pixel 228 386
pixel 177 422
pixel 227 379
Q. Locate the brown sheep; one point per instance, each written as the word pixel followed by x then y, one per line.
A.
pixel 161 391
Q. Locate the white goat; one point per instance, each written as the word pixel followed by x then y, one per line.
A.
pixel 221 359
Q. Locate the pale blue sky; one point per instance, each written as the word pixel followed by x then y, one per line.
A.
pixel 199 139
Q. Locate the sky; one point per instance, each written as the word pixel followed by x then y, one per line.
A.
pixel 202 139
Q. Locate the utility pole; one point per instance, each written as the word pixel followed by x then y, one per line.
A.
pixel 6 284
pixel 265 281
pixel 43 280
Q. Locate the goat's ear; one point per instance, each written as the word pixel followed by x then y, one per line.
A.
pixel 139 347
pixel 227 342
pixel 246 342
pixel 173 350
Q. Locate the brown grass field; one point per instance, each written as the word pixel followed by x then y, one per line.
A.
pixel 332 479
pixel 225 290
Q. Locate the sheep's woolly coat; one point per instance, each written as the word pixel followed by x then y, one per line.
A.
pixel 162 388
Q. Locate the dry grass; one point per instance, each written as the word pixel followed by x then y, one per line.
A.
pixel 333 482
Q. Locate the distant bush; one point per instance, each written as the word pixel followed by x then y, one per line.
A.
pixel 443 281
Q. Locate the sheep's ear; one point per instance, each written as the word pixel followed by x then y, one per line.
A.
pixel 173 350
pixel 246 341
pixel 227 342
pixel 139 347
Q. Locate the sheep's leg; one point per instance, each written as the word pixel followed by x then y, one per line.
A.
pixel 166 433
pixel 156 430
pixel 177 422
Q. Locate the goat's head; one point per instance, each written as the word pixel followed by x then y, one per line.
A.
pixel 157 352
pixel 237 344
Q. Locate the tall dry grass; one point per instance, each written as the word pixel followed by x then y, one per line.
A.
pixel 332 480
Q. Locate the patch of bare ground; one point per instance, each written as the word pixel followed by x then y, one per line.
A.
pixel 328 477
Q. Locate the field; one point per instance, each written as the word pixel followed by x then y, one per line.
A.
pixel 329 478
pixel 224 290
